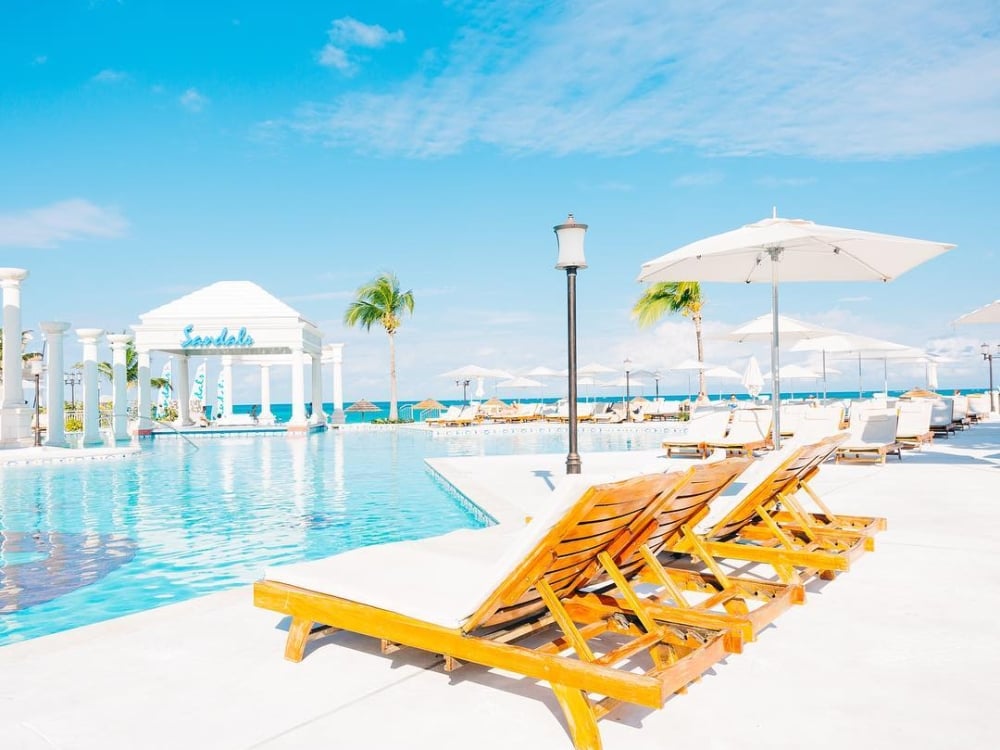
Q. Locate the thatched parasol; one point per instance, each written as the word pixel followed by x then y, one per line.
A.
pixel 362 406
pixel 429 404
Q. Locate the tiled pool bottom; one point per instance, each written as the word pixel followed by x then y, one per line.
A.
pixel 88 541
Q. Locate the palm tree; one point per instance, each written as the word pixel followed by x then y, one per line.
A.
pixel 131 370
pixel 380 301
pixel 671 297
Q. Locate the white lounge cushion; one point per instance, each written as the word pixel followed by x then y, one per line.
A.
pixel 443 579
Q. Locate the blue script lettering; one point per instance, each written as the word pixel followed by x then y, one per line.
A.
pixel 225 340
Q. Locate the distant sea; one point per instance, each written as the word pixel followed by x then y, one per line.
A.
pixel 283 412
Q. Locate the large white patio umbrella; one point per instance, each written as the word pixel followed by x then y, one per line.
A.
pixel 851 346
pixel 691 365
pixel 723 373
pixel 792 371
pixel 774 250
pixel 988 314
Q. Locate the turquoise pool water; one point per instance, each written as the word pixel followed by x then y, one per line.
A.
pixel 89 541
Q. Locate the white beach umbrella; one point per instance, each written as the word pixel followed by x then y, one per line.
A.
pixel 792 371
pixel 752 380
pixel 776 250
pixel 541 372
pixel 595 369
pixel 468 372
pixel 856 346
pixel 689 366
pixel 520 382
pixel 988 314
pixel 789 329
pixel 722 373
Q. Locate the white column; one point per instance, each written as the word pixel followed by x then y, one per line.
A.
pixel 318 416
pixel 10 282
pixel 266 417
pixel 298 420
pixel 55 394
pixel 182 390
pixel 227 386
pixel 90 337
pixel 119 385
pixel 335 354
pixel 144 399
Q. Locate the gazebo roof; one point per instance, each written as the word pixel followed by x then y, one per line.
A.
pixel 236 318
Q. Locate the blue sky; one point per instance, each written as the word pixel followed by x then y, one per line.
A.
pixel 149 149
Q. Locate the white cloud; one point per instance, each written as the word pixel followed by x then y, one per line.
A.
pixel 110 76
pixel 192 100
pixel 59 222
pixel 850 79
pixel 40 59
pixel 348 33
pixel 854 299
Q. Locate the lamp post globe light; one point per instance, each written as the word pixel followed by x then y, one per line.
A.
pixel 988 357
pixel 73 378
pixel 569 240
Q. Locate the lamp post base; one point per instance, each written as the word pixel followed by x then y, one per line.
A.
pixel 573 464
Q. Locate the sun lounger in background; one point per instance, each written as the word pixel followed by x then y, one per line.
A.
pixel 960 414
pixel 658 410
pixel 700 431
pixel 819 422
pixel 979 406
pixel 466 595
pixel 913 430
pixel 791 415
pixel 872 437
pixel 766 523
pixel 749 431
pixel 450 414
pixel 942 416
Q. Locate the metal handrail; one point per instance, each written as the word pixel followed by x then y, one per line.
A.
pixel 169 426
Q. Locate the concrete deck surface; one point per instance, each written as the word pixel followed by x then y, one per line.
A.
pixel 900 652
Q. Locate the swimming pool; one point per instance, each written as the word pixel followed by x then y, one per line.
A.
pixel 93 540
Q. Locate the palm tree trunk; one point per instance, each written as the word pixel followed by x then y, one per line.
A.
pixel 701 354
pixel 393 413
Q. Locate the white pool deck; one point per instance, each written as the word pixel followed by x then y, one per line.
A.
pixel 903 651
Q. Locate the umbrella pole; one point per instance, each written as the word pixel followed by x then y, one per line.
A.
pixel 860 390
pixel 824 374
pixel 775 253
pixel 885 376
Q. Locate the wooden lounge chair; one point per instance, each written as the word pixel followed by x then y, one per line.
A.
pixel 726 601
pixel 471 594
pixel 872 437
pixel 700 431
pixel 766 523
pixel 749 431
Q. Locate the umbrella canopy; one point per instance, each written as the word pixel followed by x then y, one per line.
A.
pixel 753 381
pixel 622 382
pixel 762 328
pixel 475 371
pixel 723 372
pixel 791 250
pixel 362 406
pixel 429 404
pixel 519 383
pixel 856 346
pixel 795 371
pixel 542 372
pixel 495 402
pixel 692 364
pixel 595 369
pixel 988 314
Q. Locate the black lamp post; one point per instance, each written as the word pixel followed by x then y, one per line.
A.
pixel 656 378
pixel 465 389
pixel 36 372
pixel 73 379
pixel 569 240
pixel 988 356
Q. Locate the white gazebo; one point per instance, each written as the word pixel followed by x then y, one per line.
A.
pixel 243 324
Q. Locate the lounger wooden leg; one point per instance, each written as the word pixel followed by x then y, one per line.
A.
pixel 580 717
pixel 298 635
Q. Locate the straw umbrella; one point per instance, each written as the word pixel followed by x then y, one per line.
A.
pixel 363 406
pixel 429 404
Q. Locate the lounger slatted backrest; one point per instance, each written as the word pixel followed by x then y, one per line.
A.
pixel 606 518
pixel 802 461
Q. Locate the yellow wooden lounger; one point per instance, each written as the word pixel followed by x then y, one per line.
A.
pixel 470 594
pixel 726 600
pixel 768 525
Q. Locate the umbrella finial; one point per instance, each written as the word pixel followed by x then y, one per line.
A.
pixel 570 219
pixel 774 212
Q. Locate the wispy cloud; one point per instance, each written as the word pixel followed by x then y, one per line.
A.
pixel 193 100
pixel 51 225
pixel 40 59
pixel 698 179
pixel 613 186
pixel 782 182
pixel 616 78
pixel 849 300
pixel 347 34
pixel 319 296
pixel 110 76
